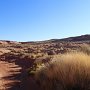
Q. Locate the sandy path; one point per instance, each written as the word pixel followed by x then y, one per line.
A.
pixel 8 71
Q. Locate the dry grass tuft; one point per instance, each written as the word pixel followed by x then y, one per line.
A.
pixel 70 71
pixel 85 48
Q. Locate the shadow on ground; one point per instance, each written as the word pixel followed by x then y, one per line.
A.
pixel 20 80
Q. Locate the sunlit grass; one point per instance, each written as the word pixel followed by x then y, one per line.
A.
pixel 70 71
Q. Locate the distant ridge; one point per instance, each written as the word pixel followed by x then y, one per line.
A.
pixel 70 39
pixel 74 39
pixel 78 38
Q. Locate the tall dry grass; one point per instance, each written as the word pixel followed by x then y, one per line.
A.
pixel 85 48
pixel 70 71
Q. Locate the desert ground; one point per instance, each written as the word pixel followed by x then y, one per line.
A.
pixel 19 61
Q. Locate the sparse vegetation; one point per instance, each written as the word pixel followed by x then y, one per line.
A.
pixel 70 71
pixel 50 65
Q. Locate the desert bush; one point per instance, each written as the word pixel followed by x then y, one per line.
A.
pixel 38 64
pixel 70 71
pixel 85 48
pixel 51 52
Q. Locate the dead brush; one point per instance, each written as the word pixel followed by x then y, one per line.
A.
pixel 70 71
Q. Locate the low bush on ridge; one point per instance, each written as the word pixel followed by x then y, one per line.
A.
pixel 69 71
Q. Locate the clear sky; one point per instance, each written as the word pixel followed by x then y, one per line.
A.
pixel 32 20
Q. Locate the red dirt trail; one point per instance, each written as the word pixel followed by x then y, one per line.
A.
pixel 12 78
pixel 7 72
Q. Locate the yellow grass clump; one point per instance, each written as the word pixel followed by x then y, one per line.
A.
pixel 70 71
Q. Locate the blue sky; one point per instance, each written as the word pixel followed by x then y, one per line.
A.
pixel 32 20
